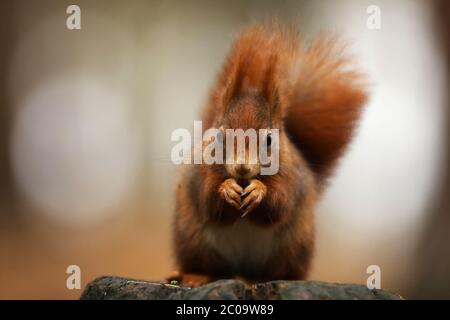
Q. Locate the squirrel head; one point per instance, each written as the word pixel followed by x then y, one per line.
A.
pixel 249 134
pixel 251 96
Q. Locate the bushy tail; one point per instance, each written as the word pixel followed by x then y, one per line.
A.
pixel 328 95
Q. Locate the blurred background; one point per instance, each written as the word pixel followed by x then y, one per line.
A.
pixel 86 117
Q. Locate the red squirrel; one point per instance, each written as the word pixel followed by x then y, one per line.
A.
pixel 230 220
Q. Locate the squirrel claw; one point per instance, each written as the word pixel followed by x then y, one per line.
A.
pixel 230 191
pixel 256 192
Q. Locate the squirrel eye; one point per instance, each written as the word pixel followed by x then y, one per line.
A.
pixel 269 139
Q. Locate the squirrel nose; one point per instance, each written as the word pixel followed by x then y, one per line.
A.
pixel 242 170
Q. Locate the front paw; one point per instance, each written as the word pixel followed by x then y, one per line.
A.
pixel 230 191
pixel 254 194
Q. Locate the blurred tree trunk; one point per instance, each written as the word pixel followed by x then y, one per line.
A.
pixel 433 259
pixel 7 44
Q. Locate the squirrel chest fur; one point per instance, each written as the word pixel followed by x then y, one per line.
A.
pixel 245 246
pixel 232 220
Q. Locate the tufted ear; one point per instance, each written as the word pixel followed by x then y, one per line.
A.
pixel 233 87
pixel 269 90
pixel 256 75
pixel 268 85
pixel 257 65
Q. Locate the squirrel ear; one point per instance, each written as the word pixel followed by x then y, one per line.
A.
pixel 274 102
pixel 234 85
pixel 269 87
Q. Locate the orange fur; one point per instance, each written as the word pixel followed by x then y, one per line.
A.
pixel 270 80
